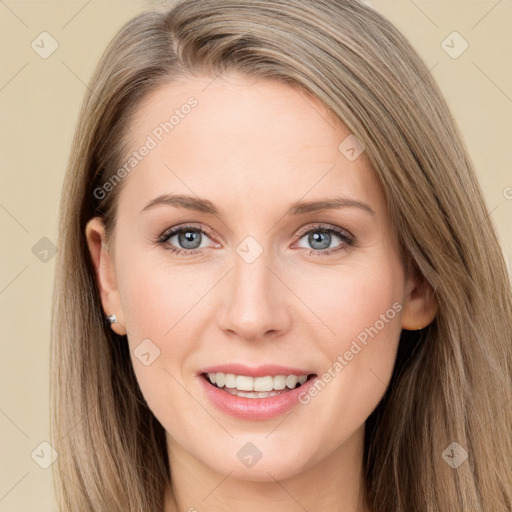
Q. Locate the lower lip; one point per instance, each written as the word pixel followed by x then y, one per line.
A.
pixel 254 408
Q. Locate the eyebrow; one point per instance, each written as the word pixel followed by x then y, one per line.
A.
pixel 297 208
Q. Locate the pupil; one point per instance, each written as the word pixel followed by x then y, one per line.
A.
pixel 322 237
pixel 186 239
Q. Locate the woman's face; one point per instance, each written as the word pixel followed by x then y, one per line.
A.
pixel 286 267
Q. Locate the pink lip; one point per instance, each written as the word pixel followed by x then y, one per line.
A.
pixel 258 371
pixel 254 408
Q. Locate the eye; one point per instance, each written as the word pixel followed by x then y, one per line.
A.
pixel 190 240
pixel 321 237
pixel 183 240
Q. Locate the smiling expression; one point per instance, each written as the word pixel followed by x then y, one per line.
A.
pixel 285 256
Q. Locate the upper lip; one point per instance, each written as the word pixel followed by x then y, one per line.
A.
pixel 255 371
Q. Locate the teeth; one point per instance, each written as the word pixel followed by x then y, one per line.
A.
pixel 220 379
pixel 244 383
pixel 279 382
pixel 264 383
pixel 252 394
pixel 259 385
pixel 291 381
pixel 230 380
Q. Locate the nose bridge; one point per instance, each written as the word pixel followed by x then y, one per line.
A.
pixel 255 303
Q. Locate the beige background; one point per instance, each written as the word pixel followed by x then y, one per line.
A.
pixel 39 101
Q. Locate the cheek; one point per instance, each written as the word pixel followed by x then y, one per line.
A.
pixel 163 312
pixel 156 297
pixel 155 302
pixel 361 307
pixel 347 311
pixel 350 300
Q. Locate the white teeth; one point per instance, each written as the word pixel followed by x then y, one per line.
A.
pixel 244 383
pixel 252 394
pixel 260 385
pixel 230 380
pixel 280 381
pixel 291 381
pixel 264 383
pixel 220 379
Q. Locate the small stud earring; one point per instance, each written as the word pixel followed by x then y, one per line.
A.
pixel 111 319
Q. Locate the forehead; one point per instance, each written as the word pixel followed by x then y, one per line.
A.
pixel 233 105
pixel 251 138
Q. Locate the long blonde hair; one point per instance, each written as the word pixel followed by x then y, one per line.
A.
pixel 452 384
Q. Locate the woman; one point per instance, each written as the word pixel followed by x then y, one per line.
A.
pixel 306 304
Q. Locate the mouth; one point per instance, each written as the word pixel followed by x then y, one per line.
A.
pixel 256 387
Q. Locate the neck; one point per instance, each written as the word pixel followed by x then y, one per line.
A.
pixel 334 482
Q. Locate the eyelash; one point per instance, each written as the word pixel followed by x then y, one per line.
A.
pixel 346 238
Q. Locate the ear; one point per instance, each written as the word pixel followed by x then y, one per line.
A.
pixel 420 304
pixel 105 272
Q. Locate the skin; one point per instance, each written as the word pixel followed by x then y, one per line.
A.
pixel 253 147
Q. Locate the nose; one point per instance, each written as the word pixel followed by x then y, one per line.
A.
pixel 256 301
